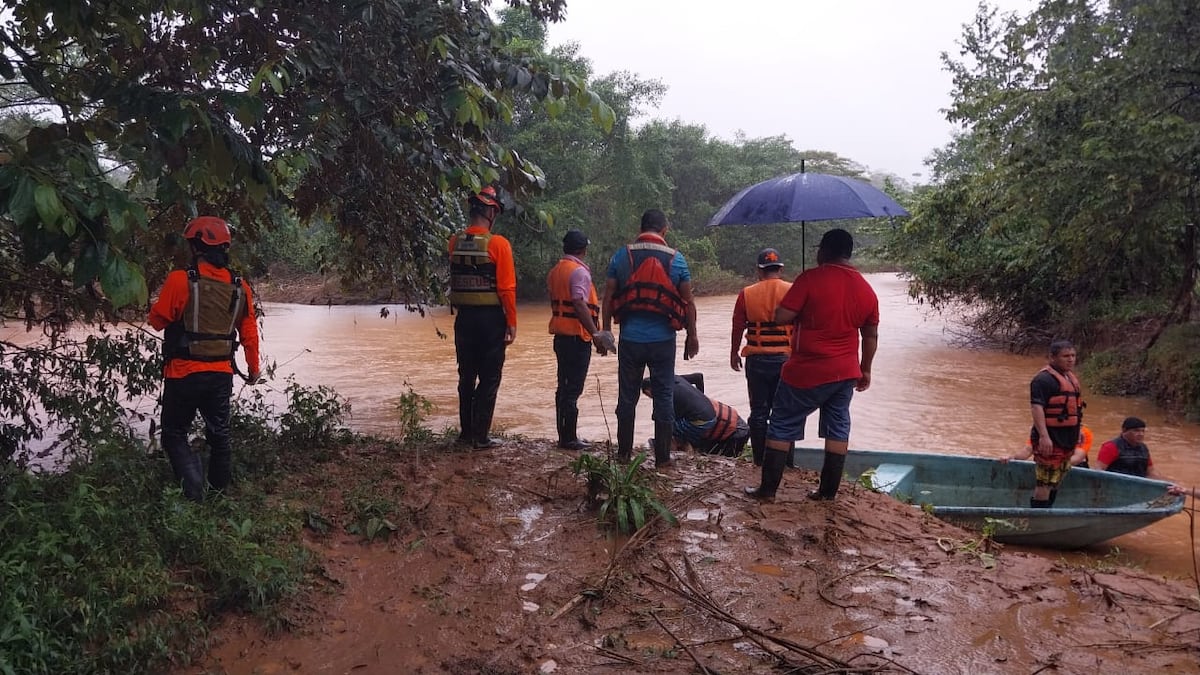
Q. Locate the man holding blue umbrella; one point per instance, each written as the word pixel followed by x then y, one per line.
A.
pixel 831 306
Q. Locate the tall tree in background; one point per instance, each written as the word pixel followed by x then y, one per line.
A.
pixel 1071 198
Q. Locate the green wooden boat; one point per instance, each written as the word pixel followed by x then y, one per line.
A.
pixel 978 493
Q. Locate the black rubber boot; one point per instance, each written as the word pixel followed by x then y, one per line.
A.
pixel 758 444
pixel 774 462
pixel 189 471
pixel 1040 503
pixel 831 477
pixel 791 460
pixel 624 442
pixel 662 443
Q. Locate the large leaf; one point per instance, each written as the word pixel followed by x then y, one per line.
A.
pixel 123 282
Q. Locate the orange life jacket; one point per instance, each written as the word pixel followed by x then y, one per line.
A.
pixel 472 271
pixel 649 287
pixel 1064 409
pixel 563 320
pixel 726 422
pixel 763 335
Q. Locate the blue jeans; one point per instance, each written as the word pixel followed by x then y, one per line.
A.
pixel 793 406
pixel 632 360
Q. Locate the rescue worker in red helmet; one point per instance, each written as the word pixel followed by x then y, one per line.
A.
pixel 483 292
pixel 205 310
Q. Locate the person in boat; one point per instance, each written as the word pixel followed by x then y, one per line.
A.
pixel 649 292
pixel 483 291
pixel 1128 454
pixel 1056 404
pixel 704 423
pixel 574 315
pixel 767 347
pixel 205 310
pixel 1079 459
pixel 832 307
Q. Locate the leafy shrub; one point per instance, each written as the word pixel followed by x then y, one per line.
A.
pixel 623 493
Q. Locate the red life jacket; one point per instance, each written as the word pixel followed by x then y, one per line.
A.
pixel 726 422
pixel 649 287
pixel 1064 409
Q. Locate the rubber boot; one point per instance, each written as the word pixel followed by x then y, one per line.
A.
pixel 831 477
pixel 662 443
pixel 220 469
pixel 1039 503
pixel 1053 496
pixel 758 443
pixel 189 471
pixel 774 462
pixel 791 460
pixel 625 442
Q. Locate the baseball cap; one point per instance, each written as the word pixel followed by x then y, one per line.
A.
pixel 575 240
pixel 1133 423
pixel 769 257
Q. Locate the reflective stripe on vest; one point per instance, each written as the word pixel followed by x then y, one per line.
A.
pixel 206 329
pixel 1064 409
pixel 472 271
pixel 763 335
pixel 725 423
pixel 649 287
pixel 563 320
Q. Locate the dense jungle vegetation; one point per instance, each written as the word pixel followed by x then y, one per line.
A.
pixel 344 138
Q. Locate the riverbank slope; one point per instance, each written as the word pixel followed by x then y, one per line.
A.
pixel 496 567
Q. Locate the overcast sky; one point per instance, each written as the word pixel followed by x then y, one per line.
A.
pixel 861 78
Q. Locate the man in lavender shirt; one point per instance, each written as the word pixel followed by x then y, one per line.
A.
pixel 574 313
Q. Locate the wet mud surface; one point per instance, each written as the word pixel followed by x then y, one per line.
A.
pixel 497 567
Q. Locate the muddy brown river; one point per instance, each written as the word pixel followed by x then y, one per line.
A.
pixel 927 394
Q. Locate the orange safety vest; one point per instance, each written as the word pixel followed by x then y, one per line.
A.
pixel 726 422
pixel 1064 409
pixel 763 335
pixel 649 287
pixel 563 320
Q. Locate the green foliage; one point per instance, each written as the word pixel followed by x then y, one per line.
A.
pixel 105 571
pixel 622 492
pixel 373 116
pixel 372 514
pixel 85 388
pixel 300 436
pixel 414 410
pixel 1072 193
pixel 1173 364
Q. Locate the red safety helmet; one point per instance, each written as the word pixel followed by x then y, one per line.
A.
pixel 488 197
pixel 208 229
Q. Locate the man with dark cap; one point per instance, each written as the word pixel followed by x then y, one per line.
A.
pixel 768 344
pixel 831 306
pixel 574 313
pixel 1128 454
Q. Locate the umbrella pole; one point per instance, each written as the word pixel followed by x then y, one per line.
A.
pixel 803 244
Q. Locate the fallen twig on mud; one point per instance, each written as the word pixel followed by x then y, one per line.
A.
pixel 822 589
pixel 688 650
pixel 701 599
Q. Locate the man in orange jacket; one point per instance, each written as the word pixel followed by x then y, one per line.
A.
pixel 204 310
pixel 483 289
pixel 768 344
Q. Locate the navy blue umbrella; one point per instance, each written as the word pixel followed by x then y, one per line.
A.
pixel 801 197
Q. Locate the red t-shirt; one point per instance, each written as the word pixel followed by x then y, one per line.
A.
pixel 832 303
